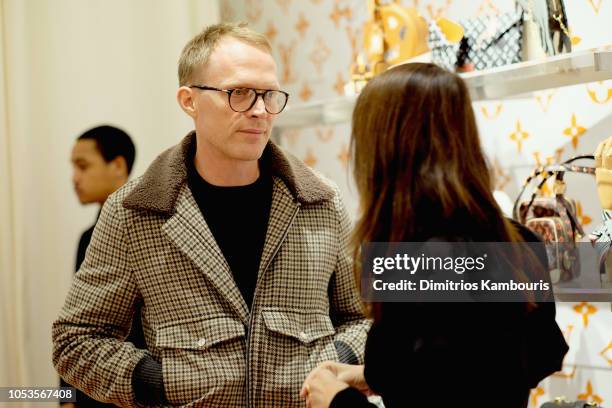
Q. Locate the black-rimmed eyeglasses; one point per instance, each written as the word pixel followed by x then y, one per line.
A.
pixel 243 99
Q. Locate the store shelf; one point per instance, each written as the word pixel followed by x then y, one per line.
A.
pixel 553 72
pixel 582 295
pixel 318 113
pixel 504 82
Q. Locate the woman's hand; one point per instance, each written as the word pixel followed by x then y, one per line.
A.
pixel 320 387
pixel 350 374
pixel 603 173
pixel 338 377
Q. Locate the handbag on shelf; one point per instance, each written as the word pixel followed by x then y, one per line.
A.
pixel 394 33
pixel 554 218
pixel 546 20
pixel 563 403
pixel 557 27
pixel 488 42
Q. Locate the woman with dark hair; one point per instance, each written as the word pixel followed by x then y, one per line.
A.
pixel 421 176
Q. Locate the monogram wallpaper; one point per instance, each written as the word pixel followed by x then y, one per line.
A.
pixel 315 41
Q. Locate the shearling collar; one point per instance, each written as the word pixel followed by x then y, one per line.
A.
pixel 159 187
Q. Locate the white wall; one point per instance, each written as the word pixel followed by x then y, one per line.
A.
pixel 67 66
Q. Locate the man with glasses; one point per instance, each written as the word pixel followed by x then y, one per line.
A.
pixel 237 251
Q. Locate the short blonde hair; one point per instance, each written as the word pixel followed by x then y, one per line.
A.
pixel 197 51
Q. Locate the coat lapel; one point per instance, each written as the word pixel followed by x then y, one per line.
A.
pixel 188 230
pixel 282 212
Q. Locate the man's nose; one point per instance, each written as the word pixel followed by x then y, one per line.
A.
pixel 259 108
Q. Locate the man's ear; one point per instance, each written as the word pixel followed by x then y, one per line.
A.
pixel 120 166
pixel 185 98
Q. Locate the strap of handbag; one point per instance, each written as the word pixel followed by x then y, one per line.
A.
pixel 545 172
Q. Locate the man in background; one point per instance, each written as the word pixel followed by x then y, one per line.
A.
pixel 102 159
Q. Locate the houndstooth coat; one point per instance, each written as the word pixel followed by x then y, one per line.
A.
pixel 152 245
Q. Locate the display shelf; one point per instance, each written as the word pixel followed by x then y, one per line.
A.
pixel 498 83
pixel 582 295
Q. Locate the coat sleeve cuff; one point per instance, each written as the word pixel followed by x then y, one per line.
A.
pixel 346 354
pixel 148 382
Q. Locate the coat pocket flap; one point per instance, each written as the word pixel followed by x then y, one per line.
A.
pixel 199 334
pixel 305 327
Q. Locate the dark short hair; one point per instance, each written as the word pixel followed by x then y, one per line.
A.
pixel 112 142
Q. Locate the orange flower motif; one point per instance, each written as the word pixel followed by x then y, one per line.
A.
pixel 589 395
pixel 583 218
pixel 310 160
pixel 575 131
pixel 585 309
pixel 338 13
pixel 339 85
pixel 344 155
pixel 271 32
pixel 607 353
pixel 305 93
pixel 519 135
pixel 536 393
pixel 302 25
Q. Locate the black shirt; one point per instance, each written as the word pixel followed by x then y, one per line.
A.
pixel 238 219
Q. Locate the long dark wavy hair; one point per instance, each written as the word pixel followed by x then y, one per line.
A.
pixel 418 164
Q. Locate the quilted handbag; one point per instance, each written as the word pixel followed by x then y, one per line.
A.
pixel 554 219
pixel 488 42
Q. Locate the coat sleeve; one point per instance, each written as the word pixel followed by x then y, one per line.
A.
pixel 346 309
pixel 88 337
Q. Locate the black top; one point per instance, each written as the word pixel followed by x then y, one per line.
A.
pixel 238 219
pixel 459 354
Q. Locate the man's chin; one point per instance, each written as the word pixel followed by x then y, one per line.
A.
pixel 85 200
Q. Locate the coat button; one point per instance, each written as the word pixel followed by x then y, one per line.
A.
pixel 303 336
pixel 201 342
